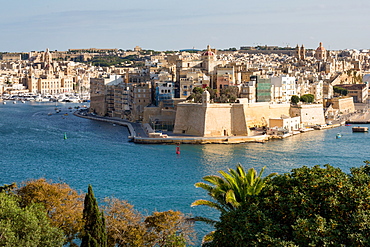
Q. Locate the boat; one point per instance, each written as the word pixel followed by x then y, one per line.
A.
pixel 322 126
pixel 306 130
pixel 360 129
pixel 4 102
pixel 339 135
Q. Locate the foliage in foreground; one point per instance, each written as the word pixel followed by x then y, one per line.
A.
pixel 63 205
pixel 94 233
pixel 127 227
pixel 307 207
pixel 26 226
pixel 233 189
pixel 62 208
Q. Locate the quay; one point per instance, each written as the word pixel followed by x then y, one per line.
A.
pixel 139 133
pixel 201 140
pixel 122 122
pixel 140 136
pixel 359 118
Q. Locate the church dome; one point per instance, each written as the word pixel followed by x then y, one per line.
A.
pixel 320 48
pixel 208 53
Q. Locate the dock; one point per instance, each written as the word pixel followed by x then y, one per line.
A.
pixel 143 134
pixel 201 140
pixel 359 118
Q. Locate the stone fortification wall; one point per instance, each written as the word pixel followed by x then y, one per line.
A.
pixel 225 119
pixel 217 120
pixel 190 119
pixel 153 112
pixel 344 105
pixel 258 114
pixel 312 114
pixel 239 121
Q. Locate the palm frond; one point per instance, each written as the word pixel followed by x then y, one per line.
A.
pixel 205 220
pixel 209 204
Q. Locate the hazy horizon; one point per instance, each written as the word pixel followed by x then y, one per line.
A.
pixel 174 25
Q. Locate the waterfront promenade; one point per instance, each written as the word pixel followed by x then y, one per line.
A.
pixel 143 134
pixel 138 134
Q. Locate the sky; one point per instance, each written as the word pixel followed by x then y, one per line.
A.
pixel 174 25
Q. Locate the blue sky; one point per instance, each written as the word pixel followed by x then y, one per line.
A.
pixel 173 25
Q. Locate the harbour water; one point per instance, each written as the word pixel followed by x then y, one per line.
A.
pixel 151 177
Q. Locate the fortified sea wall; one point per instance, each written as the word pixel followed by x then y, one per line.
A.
pixel 258 114
pixel 234 119
pixel 311 115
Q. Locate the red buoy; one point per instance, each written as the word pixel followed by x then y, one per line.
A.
pixel 178 149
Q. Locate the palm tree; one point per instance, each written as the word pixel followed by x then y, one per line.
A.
pixel 232 190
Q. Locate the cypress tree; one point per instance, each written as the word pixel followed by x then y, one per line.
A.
pixel 94 234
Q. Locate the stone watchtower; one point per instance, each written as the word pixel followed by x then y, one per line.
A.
pixel 206 98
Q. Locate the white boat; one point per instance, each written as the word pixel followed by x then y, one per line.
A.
pixel 72 99
pixel 41 99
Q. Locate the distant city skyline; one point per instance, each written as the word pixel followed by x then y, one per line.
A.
pixel 175 25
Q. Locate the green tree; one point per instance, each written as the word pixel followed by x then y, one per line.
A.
pixel 228 95
pixel 307 98
pixel 340 90
pixel 233 189
pixel 307 207
pixel 64 205
pixel 26 226
pixel 294 99
pixel 310 98
pixel 94 234
pixel 196 95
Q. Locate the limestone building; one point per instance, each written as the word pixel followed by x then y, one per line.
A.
pixel 283 88
pixel 310 114
pixel 206 119
pixel 359 92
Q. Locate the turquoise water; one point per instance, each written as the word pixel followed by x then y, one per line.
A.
pixel 151 177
